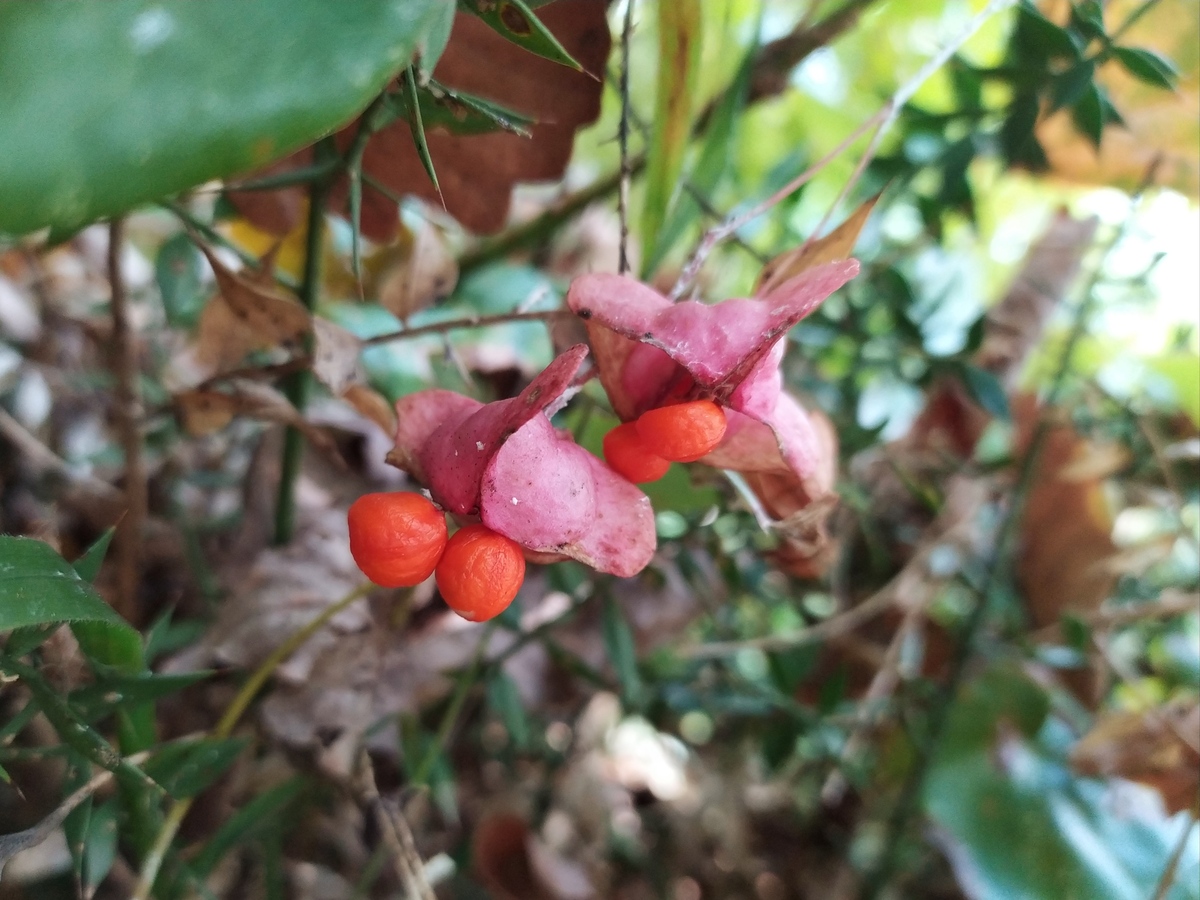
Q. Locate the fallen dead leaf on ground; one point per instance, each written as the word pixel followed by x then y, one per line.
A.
pixel 1147 747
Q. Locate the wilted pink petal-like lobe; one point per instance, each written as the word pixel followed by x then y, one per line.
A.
pixel 719 346
pixel 538 489
pixel 622 539
pixel 786 442
pixel 418 416
pixel 454 456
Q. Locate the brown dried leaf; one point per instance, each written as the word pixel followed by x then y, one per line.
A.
pixel 373 405
pixel 1157 747
pixel 206 410
pixel 1015 324
pixel 836 245
pixel 1066 532
pixel 424 273
pixel 335 356
pixel 476 172
pixel 248 314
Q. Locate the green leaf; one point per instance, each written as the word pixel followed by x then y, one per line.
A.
pixel 679 36
pixel 37 586
pixel 109 693
pixel 1037 40
pixel 74 732
pixel 417 126
pixel 179 271
pixel 505 702
pixel 515 21
pixel 88 565
pixel 1073 84
pixel 461 113
pixel 1016 822
pixel 262 814
pixel 185 769
pixel 716 158
pixel 618 642
pixel 986 390
pixel 1088 115
pixel 91 831
pixel 1148 66
pixel 108 105
pixel 1088 18
pixel 1017 140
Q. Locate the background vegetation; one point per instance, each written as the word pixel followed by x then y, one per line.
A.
pixel 234 233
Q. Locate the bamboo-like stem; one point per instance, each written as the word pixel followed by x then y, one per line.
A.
pixel 298 384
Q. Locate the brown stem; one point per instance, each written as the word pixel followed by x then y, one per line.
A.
pixel 472 322
pixel 124 362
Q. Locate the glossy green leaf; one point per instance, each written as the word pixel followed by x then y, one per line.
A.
pixel 1148 66
pixel 108 105
pixel 37 586
pixel 680 42
pixel 1016 822
pixel 88 565
pixel 514 20
pixel 1088 115
pixel 618 642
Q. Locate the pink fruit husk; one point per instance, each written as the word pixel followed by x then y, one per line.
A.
pixel 506 463
pixel 648 350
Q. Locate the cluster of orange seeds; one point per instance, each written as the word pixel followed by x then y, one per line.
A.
pixel 399 539
pixel 644 449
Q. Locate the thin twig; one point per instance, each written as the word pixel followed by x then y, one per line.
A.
pixel 882 686
pixel 623 140
pixel 397 835
pixel 12 844
pixel 1170 604
pixel 469 322
pixel 299 384
pixel 538 229
pixel 1168 875
pixel 46 462
pixel 154 858
pixel 835 626
pixel 879 122
pixel 128 395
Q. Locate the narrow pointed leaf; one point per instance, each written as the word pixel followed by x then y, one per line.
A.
pixel 516 22
pixel 679 30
